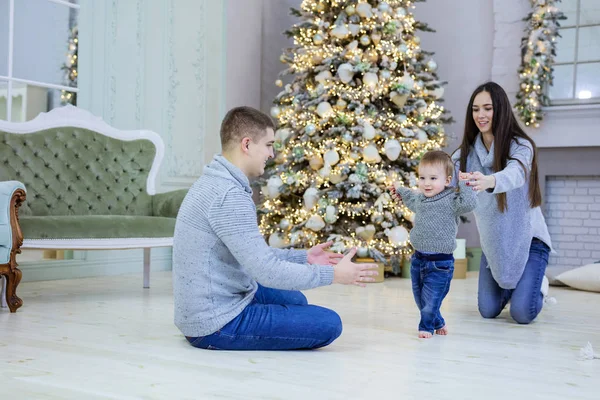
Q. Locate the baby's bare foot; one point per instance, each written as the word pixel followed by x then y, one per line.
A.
pixel 424 335
pixel 442 331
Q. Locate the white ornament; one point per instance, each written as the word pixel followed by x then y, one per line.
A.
pixel 282 134
pixel 366 233
pixel 368 131
pixel 398 99
pixel 354 29
pixel 295 237
pixel 275 240
pixel 362 252
pixel 346 72
pixel 365 40
pixel 331 157
pixel 331 214
pixel 370 80
pixel 400 12
pixel 422 136
pixel 432 65
pixel 323 76
pixel 392 149
pixel 273 185
pixel 275 111
pixel 325 172
pixel 350 10
pixel 407 81
pixel 438 92
pixel 285 224
pixel 371 154
pixel 315 223
pixel 340 32
pixel 421 106
pixel 311 196
pixel 384 7
pixel 397 235
pixel 364 10
pixel 324 110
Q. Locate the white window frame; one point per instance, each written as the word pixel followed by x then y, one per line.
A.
pixel 574 100
pixel 9 78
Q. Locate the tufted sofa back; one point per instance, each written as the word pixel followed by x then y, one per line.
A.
pixel 74 171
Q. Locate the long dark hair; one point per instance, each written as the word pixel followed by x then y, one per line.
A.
pixel 505 129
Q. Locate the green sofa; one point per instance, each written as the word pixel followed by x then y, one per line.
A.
pixel 89 185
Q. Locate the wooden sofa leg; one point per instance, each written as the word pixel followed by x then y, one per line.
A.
pixel 147 268
pixel 12 281
pixel 12 274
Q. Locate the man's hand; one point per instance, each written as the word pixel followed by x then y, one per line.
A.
pixel 318 255
pixel 349 273
pixel 478 181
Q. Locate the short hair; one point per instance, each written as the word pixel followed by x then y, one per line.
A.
pixel 242 122
pixel 438 157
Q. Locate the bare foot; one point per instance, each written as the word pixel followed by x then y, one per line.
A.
pixel 424 335
pixel 442 331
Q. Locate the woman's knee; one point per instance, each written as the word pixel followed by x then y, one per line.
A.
pixel 522 313
pixel 489 312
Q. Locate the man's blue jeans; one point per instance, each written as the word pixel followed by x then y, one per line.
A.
pixel 431 275
pixel 526 300
pixel 275 320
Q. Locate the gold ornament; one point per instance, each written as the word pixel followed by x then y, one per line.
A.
pixel 372 56
pixel 278 83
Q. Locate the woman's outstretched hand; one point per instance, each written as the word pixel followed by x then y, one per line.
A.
pixel 478 181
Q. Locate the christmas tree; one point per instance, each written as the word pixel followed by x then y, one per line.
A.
pixel 70 68
pixel 361 107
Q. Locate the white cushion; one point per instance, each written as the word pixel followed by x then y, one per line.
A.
pixel 583 278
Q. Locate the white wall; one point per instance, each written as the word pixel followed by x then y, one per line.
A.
pixel 243 31
pixel 158 65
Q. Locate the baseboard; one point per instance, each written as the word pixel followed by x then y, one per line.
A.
pixel 160 260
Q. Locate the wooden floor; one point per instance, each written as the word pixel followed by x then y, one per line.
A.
pixel 109 338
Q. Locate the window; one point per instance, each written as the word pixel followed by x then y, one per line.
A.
pixel 577 62
pixel 38 56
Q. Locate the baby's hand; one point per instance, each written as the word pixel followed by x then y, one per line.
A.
pixel 394 194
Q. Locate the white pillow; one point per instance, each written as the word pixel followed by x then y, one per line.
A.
pixel 582 278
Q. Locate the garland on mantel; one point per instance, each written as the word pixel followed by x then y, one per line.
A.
pixel 538 49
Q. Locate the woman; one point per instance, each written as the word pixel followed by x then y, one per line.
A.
pixel 501 164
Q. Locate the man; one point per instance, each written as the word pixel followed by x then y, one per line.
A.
pixel 232 291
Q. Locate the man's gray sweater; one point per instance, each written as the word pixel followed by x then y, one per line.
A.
pixel 219 254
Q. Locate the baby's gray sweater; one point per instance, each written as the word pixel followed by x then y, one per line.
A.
pixel 436 217
pixel 219 254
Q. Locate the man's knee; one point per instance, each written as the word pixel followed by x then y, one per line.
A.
pixel 300 299
pixel 332 327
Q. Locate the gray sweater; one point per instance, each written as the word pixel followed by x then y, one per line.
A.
pixel 436 217
pixel 506 237
pixel 219 254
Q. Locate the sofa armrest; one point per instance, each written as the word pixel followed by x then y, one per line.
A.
pixel 167 204
pixel 12 194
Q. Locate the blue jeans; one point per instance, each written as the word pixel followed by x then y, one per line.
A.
pixel 275 320
pixel 431 276
pixel 526 300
